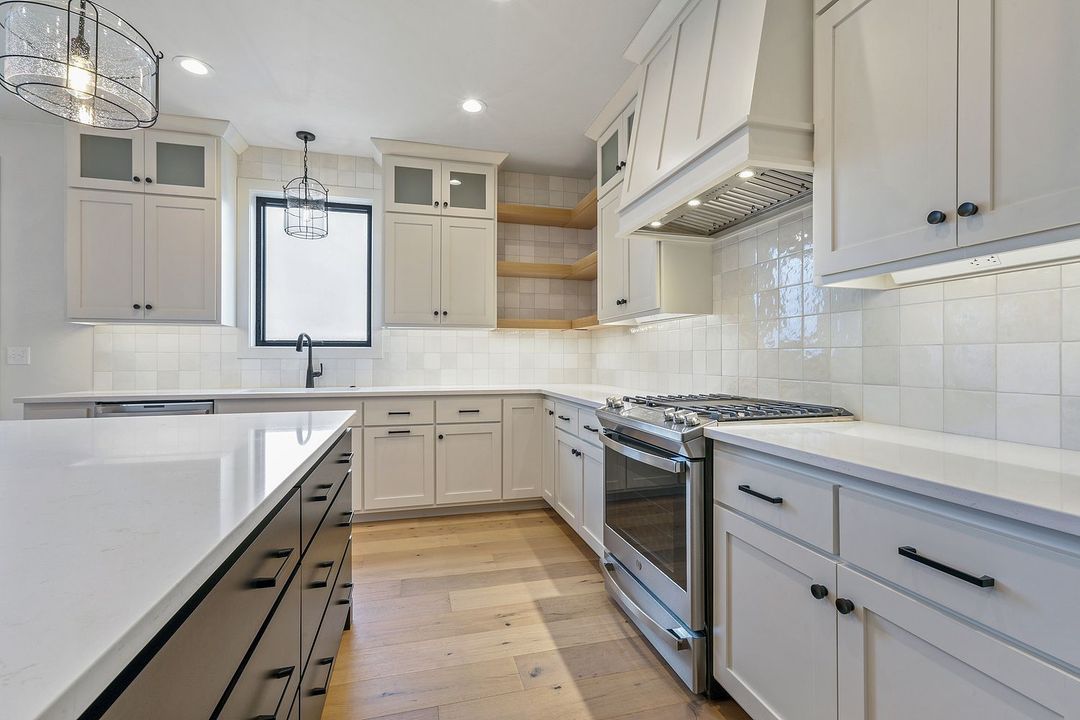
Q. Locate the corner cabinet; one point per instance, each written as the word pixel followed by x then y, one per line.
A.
pixel 926 145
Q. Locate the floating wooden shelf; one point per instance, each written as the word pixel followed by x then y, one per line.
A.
pixel 581 323
pixel 583 269
pixel 580 217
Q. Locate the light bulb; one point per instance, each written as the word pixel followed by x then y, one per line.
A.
pixel 655 223
pixel 80 77
pixel 86 114
pixel 472 105
pixel 694 203
pixel 748 173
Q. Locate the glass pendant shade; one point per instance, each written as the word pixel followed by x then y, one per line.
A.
pixel 305 202
pixel 79 61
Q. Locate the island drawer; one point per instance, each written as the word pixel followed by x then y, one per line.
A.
pixel 321 565
pixel 405 411
pixel 1021 587
pixel 316 679
pixel 322 483
pixel 191 671
pixel 793 502
pixel 473 409
pixel 271 675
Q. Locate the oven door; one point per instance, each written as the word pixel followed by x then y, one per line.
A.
pixel 654 519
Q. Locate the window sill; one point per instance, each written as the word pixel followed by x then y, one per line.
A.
pixel 324 353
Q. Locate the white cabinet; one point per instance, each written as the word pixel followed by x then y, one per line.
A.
pixel 774 642
pixel 524 430
pixel 439 271
pixel 547 454
pixel 468 190
pixel 612 263
pixel 579 487
pixel 901 658
pixel 399 467
pixel 181 259
pixel 592 496
pixel 611 151
pixel 568 479
pixel 439 187
pixel 468 462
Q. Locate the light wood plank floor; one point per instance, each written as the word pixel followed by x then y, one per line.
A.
pixel 492 617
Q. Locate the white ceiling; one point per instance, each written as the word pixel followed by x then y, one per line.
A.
pixel 352 69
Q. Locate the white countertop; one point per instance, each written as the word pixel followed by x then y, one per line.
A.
pixel 108 526
pixel 1032 484
pixel 593 395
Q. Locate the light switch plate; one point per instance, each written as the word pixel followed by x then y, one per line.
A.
pixel 18 355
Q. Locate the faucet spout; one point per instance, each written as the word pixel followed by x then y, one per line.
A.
pixel 311 372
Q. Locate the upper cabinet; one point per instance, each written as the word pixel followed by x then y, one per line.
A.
pixel 435 187
pixel 611 151
pixel 942 131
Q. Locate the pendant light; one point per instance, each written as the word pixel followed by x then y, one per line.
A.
pixel 305 202
pixel 79 61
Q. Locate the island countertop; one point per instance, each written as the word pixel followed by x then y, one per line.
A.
pixel 108 526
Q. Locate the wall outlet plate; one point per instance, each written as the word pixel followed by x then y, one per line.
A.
pixel 18 355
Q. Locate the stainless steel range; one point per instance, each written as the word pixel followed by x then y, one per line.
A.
pixel 657 492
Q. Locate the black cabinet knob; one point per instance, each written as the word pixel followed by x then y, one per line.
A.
pixel 445 313
pixel 435 204
pixel 149 180
pixel 149 306
pixel 551 412
pixel 844 606
pixel 136 178
pixel 137 306
pixel 967 209
pixel 440 437
pixel 445 204
pixel 936 217
pixel 436 313
pixel 820 592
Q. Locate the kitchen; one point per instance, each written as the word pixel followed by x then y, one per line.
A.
pixel 726 367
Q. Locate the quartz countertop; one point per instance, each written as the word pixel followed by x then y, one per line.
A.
pixel 108 526
pixel 1031 484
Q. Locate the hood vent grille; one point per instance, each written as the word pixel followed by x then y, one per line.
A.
pixel 736 201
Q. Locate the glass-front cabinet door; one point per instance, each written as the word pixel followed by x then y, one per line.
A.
pixel 612 151
pixel 414 185
pixel 468 190
pixel 105 159
pixel 180 164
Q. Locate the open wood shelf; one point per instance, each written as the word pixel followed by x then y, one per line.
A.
pixel 581 217
pixel 583 269
pixel 581 323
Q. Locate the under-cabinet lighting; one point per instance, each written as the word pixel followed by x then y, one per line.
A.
pixel 1049 254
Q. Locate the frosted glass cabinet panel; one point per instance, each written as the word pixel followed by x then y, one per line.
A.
pixel 144 161
pixel 105 159
pixel 469 190
pixel 181 164
pixel 435 187
pixel 612 151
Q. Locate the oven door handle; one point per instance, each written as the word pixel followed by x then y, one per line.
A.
pixel 677 638
pixel 657 461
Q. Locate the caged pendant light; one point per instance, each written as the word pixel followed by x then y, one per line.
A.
pixel 79 61
pixel 305 202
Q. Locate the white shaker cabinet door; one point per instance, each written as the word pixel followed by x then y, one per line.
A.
pixel 643 275
pixel 181 259
pixel 412 267
pixel 468 462
pixel 568 480
pixel 399 467
pixel 592 497
pixel 612 259
pixel 105 255
pixel 523 445
pixel 547 450
pixel 468 272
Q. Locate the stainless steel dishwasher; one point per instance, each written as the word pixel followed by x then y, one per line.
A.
pixel 145 409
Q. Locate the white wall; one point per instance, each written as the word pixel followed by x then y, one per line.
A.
pixel 32 287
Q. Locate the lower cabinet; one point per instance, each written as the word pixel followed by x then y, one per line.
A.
pixel 568 479
pixel 468 463
pixel 579 488
pixel 399 467
pixel 522 471
pixel 547 453
pixel 592 496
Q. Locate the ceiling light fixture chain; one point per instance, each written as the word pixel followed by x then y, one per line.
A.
pixel 306 215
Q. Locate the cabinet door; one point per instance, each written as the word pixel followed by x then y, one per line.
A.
pixel 181 164
pixel 900 658
pixel 105 255
pixel 413 185
pixel 611 257
pixel 181 259
pixel 412 270
pixel 523 441
pixel 468 463
pixel 105 159
pixel 610 157
pixel 885 131
pixel 547 454
pixel 592 497
pixel 468 272
pixel 399 467
pixel 774 642
pixel 1018 105
pixel 642 275
pixel 468 190
pixel 568 480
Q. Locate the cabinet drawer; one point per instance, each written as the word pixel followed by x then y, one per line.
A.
pixel 316 679
pixel 320 566
pixel 793 502
pixel 407 411
pixel 1034 590
pixel 566 417
pixel 468 409
pixel 271 675
pixel 190 673
pixel 321 485
pixel 588 428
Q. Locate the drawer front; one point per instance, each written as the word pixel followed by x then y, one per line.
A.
pixel 341 595
pixel 790 501
pixel 588 426
pixel 271 676
pixel 566 417
pixel 316 679
pixel 190 673
pixel 1035 587
pixel 406 411
pixel 468 409
pixel 321 485
pixel 320 566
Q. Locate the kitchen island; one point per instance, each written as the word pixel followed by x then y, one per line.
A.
pixel 114 529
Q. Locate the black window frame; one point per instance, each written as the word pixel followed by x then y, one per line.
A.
pixel 263 202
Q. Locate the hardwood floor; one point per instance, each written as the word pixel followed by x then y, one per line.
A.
pixel 490 617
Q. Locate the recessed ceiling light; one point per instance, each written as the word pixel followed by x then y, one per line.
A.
pixel 195 66
pixel 472 105
pixel 747 173
pixel 455 181
pixel 655 223
pixel 694 203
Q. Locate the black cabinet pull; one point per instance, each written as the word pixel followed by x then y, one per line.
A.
pixel 137 306
pixel 400 412
pixel 844 606
pixel 820 592
pixel 347 522
pixel 346 458
pixel 984 581
pixel 398 432
pixel 936 217
pixel 761 496
pixel 136 178
pixel 564 418
pixel 468 411
pixel 324 495
pixel 967 209
pixel 590 428
pixel 283 673
pixel 329 663
pixel 269 582
pixel 327 565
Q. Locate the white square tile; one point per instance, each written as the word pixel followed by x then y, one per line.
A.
pixel 846 328
pixel 922 324
pixel 922 408
pixel 921 366
pixel 1029 317
pixel 1070 423
pixel 1032 419
pixel 1070 368
pixel 971 320
pixel 881 365
pixel 846 365
pixel 970 413
pixel 881 403
pixel 1029 368
pixel 1026 280
pixel 881 326
pixel 1070 313
pixel 970 367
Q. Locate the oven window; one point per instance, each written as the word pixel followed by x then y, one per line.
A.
pixel 646 507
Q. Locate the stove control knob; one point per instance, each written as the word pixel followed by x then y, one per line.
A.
pixel 691 419
pixel 614 402
pixel 681 415
pixel 669 415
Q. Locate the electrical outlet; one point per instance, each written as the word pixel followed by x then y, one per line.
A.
pixel 18 355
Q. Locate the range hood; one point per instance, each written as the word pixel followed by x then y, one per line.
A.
pixel 724 127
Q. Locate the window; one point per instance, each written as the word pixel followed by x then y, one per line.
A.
pixel 318 287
